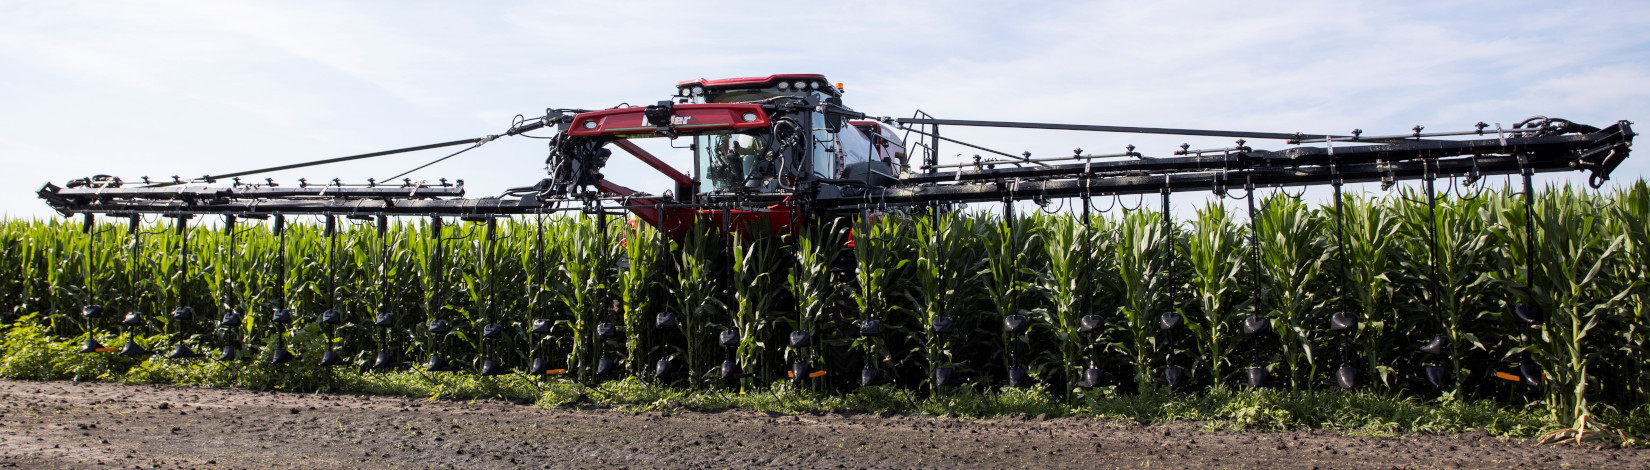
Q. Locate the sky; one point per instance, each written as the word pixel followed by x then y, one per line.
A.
pixel 162 88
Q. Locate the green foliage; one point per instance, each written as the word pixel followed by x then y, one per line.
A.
pixel 639 288
pixel 30 354
pixel 1631 317
pixel 1411 272
pixel 587 262
pixel 1070 245
pixel 946 268
pixel 879 263
pixel 1215 255
pixel 698 297
pixel 1443 252
pixel 1370 229
pixel 1142 286
pixel 1292 258
pixel 811 281
pixel 1570 279
pixel 756 285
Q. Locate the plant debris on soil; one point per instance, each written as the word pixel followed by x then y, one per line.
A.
pixel 90 424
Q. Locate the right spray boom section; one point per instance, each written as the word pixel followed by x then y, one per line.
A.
pixel 1537 144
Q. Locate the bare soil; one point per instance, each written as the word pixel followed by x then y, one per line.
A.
pixel 87 425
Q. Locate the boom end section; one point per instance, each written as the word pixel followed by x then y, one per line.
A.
pixel 1613 145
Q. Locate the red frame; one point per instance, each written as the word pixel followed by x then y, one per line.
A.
pixel 759 82
pixel 632 122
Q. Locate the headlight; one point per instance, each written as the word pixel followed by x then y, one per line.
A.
pixel 749 117
pixel 591 124
pixel 813 85
pixel 686 92
pixel 784 85
pixel 800 85
pixel 698 90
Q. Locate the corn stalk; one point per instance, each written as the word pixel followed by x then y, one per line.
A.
pixel 1215 255
pixel 1070 247
pixel 1573 251
pixel 947 267
pixel 1292 258
pixel 638 289
pixel 1628 213
pixel 1141 281
pixel 1447 262
pixel 878 269
pixel 756 259
pixel 1370 229
pixel 586 294
pixel 1011 277
pixel 696 293
pixel 811 281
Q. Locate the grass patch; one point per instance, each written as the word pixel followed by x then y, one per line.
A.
pixel 26 353
pixel 1358 412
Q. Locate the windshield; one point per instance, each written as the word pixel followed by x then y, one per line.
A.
pixel 730 162
pixel 753 94
pixel 856 147
pixel 733 161
pixel 741 96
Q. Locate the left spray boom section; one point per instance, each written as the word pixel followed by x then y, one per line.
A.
pixel 579 160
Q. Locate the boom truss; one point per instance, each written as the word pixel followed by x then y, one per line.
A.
pixel 1533 146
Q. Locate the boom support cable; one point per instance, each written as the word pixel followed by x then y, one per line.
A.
pixel 517 127
pixel 1122 129
pixel 211 178
pixel 1019 158
pixel 439 160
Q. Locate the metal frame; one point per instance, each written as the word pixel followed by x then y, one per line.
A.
pixel 575 183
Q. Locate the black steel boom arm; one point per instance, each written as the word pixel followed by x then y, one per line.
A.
pixel 1598 152
pixel 1544 146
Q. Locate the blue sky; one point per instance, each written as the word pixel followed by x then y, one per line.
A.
pixel 187 88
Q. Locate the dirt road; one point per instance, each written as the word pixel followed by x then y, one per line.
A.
pixel 87 425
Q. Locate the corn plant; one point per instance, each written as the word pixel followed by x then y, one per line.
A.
pixel 478 281
pixel 167 268
pixel 1444 251
pixel 24 258
pixel 811 281
pixel 1370 229
pixel 1628 213
pixel 12 271
pixel 397 266
pixel 1012 273
pixel 697 294
pixel 1566 279
pixel 1070 246
pixel 1216 260
pixel 756 261
pixel 1292 258
pixel 587 257
pixel 434 264
pixel 235 274
pixel 1586 252
pixel 879 270
pixel 230 281
pixel 638 289
pixel 946 270
pixel 1142 283
pixel 548 283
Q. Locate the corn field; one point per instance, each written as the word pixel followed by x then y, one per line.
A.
pixel 926 302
